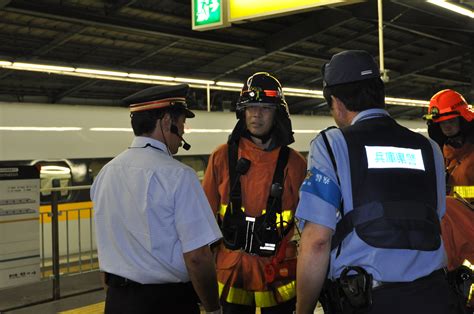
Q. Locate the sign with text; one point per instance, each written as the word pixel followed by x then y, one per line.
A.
pixel 19 227
pixel 209 14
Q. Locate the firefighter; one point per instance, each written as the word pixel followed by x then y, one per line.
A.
pixel 451 123
pixel 252 184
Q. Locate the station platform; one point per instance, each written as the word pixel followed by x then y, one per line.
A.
pixel 80 294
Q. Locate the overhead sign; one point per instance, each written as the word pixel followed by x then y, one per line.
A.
pixel 240 10
pixel 209 14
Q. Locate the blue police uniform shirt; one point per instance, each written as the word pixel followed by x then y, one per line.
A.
pixel 319 204
pixel 149 210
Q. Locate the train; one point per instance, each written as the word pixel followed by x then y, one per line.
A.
pixel 73 142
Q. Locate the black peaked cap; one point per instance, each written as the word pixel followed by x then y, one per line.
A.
pixel 161 93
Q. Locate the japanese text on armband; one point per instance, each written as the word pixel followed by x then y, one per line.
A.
pixel 320 185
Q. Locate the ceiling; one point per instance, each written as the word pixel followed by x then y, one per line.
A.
pixel 426 49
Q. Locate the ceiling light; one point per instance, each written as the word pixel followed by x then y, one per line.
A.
pixel 453 7
pixel 45 67
pixel 303 91
pixel 191 80
pixel 405 101
pixel 230 84
pixel 101 72
pixel 169 80
pixel 151 77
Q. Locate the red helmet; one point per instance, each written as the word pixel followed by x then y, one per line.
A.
pixel 448 104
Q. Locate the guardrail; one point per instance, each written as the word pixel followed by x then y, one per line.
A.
pixel 70 255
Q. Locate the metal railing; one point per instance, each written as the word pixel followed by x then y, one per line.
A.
pixel 71 256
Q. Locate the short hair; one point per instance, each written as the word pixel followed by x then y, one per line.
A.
pixel 358 96
pixel 144 122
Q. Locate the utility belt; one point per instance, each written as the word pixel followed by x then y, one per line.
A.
pixel 352 294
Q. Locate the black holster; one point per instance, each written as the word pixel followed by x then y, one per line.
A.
pixel 460 281
pixel 350 294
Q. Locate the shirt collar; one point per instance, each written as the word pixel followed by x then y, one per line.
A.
pixel 369 114
pixel 141 141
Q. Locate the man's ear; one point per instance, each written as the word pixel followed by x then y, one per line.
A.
pixel 337 105
pixel 166 122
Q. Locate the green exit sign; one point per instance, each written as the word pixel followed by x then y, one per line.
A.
pixel 209 14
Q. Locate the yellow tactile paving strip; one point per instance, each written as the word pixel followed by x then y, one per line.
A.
pixel 97 308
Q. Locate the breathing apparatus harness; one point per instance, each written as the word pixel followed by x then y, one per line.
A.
pixel 254 235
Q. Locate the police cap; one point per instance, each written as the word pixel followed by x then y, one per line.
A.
pixel 160 97
pixel 349 66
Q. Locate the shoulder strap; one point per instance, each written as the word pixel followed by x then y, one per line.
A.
pixel 274 202
pixel 341 209
pixel 234 181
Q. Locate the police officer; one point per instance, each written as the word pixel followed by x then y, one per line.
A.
pixel 252 183
pixel 370 205
pixel 153 221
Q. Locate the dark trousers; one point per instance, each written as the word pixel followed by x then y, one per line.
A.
pixel 160 298
pixel 427 295
pixel 283 308
pixel 430 296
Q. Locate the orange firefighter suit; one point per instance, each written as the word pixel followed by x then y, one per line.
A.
pixel 240 275
pixel 460 164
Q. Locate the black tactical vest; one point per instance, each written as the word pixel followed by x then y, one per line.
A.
pixel 394 208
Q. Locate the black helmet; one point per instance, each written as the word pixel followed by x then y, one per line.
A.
pixel 261 88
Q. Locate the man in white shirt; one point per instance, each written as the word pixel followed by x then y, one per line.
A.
pixel 153 222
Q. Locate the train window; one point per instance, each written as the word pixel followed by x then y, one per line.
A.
pixel 50 172
pixel 198 163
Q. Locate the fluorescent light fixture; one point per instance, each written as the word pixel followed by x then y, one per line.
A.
pixel 111 129
pixel 230 84
pixel 453 7
pixel 303 91
pixel 45 67
pixel 408 102
pixel 101 72
pixel 39 128
pixel 169 80
pixel 151 77
pixel 191 80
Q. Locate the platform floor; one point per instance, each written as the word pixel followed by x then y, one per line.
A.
pixel 80 294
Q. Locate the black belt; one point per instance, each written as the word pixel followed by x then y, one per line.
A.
pixel 380 284
pixel 113 280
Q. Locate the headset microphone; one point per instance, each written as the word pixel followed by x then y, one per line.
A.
pixel 174 130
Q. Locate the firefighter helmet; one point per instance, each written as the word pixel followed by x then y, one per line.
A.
pixel 448 104
pixel 261 88
pixel 445 105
